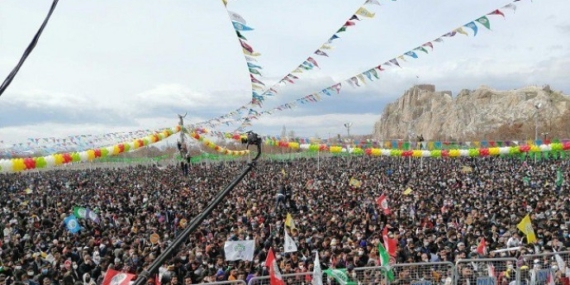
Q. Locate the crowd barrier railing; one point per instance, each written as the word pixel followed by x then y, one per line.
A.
pixel 304 278
pixel 487 271
pixel 240 282
pixel 368 275
pixel 537 269
pixel 422 273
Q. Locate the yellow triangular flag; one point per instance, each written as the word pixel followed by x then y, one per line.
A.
pixel 365 13
pixel 525 226
pixel 297 70
pixel 461 31
pixel 407 191
pixel 246 52
pixel 256 87
pixel 325 46
pixel 289 221
pixel 225 2
pixel 283 172
pixel 361 77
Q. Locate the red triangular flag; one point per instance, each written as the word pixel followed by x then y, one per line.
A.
pixel 349 23
pixel 497 12
pixel 482 247
pixel 246 46
pixel 114 277
pixel 382 201
pixel 274 274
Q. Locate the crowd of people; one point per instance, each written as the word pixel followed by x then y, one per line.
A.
pixel 450 205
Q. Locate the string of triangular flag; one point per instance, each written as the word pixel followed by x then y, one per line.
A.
pixel 259 91
pixel 240 25
pixel 373 73
pixel 51 145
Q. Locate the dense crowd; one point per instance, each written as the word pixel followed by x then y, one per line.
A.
pixel 452 205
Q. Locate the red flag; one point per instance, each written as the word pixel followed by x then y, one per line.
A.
pixel 156 279
pixel 390 244
pixel 497 12
pixel 382 202
pixel 482 247
pixel 114 277
pixel 246 46
pixel 428 44
pixel 349 23
pixel 274 274
pixel 313 61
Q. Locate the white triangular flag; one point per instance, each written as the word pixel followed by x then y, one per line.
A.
pixel 290 245
pixel 372 2
pixel 561 263
pixel 236 17
pixel 317 271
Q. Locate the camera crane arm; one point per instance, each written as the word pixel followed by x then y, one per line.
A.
pixel 252 139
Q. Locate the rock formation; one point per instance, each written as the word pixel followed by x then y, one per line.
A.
pixel 484 113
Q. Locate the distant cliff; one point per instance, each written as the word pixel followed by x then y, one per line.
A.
pixel 483 113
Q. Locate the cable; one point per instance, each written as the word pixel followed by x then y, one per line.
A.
pixel 28 50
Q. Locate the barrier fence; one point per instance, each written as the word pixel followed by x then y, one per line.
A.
pixel 425 273
pixel 241 282
pixel 538 269
pixel 289 279
pixel 368 275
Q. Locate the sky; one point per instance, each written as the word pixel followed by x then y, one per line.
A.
pixel 110 66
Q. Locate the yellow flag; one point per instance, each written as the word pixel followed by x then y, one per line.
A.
pixel 361 77
pixel 246 52
pixel 325 46
pixel 28 191
pixel 225 2
pixel 289 221
pixel 525 226
pixel 461 31
pixel 283 172
pixel 364 13
pixel 355 183
pixel 407 191
pixel 298 70
pixel 256 87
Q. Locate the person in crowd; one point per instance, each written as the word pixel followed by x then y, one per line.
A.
pixel 444 216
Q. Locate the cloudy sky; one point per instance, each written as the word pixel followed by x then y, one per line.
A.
pixel 107 66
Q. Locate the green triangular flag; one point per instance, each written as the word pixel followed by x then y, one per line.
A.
pixel 343 29
pixel 500 143
pixel 484 21
pixel 340 276
pixel 254 71
pixel 385 261
pixel 80 212
pixel 241 36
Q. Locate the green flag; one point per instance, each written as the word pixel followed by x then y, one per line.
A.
pixel 385 261
pixel 484 21
pixel 559 178
pixel 340 276
pixel 80 212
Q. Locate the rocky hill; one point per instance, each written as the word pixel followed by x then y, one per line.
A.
pixel 483 113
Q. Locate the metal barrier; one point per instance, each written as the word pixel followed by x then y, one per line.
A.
pixel 537 269
pixel 304 278
pixel 424 273
pixel 241 282
pixel 487 271
pixel 368 275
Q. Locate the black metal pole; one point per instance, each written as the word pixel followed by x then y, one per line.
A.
pixel 194 224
